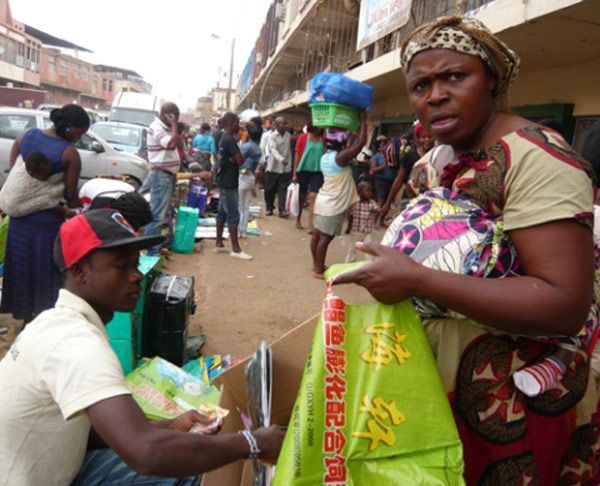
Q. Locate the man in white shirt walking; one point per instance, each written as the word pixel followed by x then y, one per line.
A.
pixel 279 167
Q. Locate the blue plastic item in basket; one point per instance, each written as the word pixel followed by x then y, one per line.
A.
pixel 185 231
pixel 197 196
pixel 337 88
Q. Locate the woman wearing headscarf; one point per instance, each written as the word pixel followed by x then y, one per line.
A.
pixel 541 193
pixel 31 280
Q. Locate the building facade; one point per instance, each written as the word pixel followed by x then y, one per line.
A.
pixel 112 79
pixel 203 111
pixel 556 39
pixel 36 68
pixel 69 79
pixel 19 53
pixel 219 100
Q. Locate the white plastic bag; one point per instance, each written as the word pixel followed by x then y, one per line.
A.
pixel 292 200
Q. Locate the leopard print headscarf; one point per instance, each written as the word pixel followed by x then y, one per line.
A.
pixel 468 36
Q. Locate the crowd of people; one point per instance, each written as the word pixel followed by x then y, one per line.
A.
pixel 252 155
pixel 267 155
pixel 494 245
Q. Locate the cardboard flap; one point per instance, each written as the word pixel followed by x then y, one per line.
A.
pixel 289 356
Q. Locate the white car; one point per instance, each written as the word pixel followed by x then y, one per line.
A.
pixel 126 137
pixel 94 115
pixel 97 156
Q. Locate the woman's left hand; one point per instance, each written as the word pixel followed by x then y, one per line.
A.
pixel 391 277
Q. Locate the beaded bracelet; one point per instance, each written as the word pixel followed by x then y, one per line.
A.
pixel 254 450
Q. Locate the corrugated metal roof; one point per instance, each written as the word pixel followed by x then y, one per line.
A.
pixel 51 40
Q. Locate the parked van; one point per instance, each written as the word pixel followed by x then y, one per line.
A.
pixel 129 107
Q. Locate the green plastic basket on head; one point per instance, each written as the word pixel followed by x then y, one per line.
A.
pixel 334 115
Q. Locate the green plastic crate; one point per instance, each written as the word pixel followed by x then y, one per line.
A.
pixel 125 329
pixel 150 267
pixel 334 115
pixel 122 337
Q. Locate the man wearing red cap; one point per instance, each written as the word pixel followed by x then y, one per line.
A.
pixel 64 387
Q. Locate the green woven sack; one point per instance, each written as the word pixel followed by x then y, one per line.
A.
pixel 371 407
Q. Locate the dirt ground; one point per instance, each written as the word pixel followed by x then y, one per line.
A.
pixel 241 303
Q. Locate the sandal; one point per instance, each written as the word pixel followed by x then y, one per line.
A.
pixel 299 226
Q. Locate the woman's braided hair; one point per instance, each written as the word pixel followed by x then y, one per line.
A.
pixel 70 115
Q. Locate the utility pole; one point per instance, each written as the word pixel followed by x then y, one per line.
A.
pixel 230 75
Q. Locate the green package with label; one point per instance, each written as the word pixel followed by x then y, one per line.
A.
pixel 371 407
pixel 164 391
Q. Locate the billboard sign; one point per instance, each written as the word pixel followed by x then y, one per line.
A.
pixel 380 17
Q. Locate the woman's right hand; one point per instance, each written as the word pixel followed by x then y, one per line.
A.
pixel 391 277
pixel 269 441
pixel 295 178
pixel 363 117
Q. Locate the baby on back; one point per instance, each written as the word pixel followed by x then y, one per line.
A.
pixel 38 166
pixel 31 187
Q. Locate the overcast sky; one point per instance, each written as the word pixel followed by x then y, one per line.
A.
pixel 167 42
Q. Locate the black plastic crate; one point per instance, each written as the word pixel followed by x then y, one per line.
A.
pixel 169 304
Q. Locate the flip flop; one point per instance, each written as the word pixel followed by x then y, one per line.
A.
pixel 299 226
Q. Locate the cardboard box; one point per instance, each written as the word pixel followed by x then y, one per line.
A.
pixel 289 355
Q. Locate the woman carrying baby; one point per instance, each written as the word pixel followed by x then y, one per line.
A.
pixel 31 280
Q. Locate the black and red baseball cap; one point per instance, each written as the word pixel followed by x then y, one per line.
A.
pixel 93 230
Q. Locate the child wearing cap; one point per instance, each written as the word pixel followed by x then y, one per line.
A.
pixel 67 387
